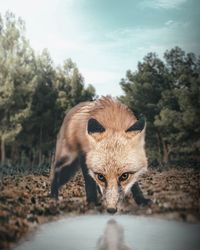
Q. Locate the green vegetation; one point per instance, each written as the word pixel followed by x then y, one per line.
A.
pixel 35 95
pixel 167 93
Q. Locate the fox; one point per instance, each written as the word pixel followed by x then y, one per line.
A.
pixel 104 139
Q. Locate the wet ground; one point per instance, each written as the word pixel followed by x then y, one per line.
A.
pixel 25 201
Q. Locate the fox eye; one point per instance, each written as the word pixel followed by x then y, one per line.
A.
pixel 101 177
pixel 124 176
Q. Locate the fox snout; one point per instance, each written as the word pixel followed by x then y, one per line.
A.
pixel 111 210
pixel 112 196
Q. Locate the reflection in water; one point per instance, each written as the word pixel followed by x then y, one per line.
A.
pixel 82 233
pixel 112 238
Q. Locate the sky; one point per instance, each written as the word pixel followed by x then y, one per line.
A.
pixel 105 38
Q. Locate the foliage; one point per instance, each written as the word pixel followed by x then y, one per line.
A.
pixel 16 78
pixel 167 93
pixel 34 96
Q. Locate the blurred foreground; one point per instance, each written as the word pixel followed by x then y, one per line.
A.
pixel 118 232
pixel 25 201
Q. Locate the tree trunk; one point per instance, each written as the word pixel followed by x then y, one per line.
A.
pixel 40 147
pixel 34 158
pixel 163 149
pixel 165 157
pixel 159 145
pixel 15 154
pixel 3 153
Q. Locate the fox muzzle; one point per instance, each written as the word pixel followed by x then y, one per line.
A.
pixel 112 196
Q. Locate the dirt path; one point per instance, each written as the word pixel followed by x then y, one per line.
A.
pixel 25 203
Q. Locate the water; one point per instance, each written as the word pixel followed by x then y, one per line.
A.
pixel 120 232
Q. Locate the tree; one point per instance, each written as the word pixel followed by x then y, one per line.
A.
pixel 16 78
pixel 178 118
pixel 34 95
pixel 70 87
pixel 40 126
pixel 143 90
pixel 57 91
pixel 167 93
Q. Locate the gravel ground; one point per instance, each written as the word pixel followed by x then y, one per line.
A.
pixel 25 201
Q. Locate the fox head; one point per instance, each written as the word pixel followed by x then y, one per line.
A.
pixel 115 159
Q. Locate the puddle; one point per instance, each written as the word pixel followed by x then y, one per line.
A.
pixel 120 232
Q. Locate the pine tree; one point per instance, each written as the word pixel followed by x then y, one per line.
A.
pixel 143 90
pixel 168 94
pixel 16 78
pixel 178 118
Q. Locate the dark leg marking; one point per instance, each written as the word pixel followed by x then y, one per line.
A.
pixel 62 175
pixel 62 160
pixel 90 184
pixel 138 195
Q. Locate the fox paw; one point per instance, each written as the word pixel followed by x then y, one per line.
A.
pixel 145 202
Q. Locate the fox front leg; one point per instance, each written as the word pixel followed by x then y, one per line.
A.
pixel 138 196
pixel 90 184
pixel 62 174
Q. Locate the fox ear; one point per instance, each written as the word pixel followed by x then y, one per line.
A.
pixel 94 126
pixel 137 126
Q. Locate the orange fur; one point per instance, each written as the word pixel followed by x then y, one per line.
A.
pixel 111 152
pixel 113 115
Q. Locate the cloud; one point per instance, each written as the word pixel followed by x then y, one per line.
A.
pixel 170 34
pixel 162 4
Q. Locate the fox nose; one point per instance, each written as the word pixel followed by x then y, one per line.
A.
pixel 111 210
